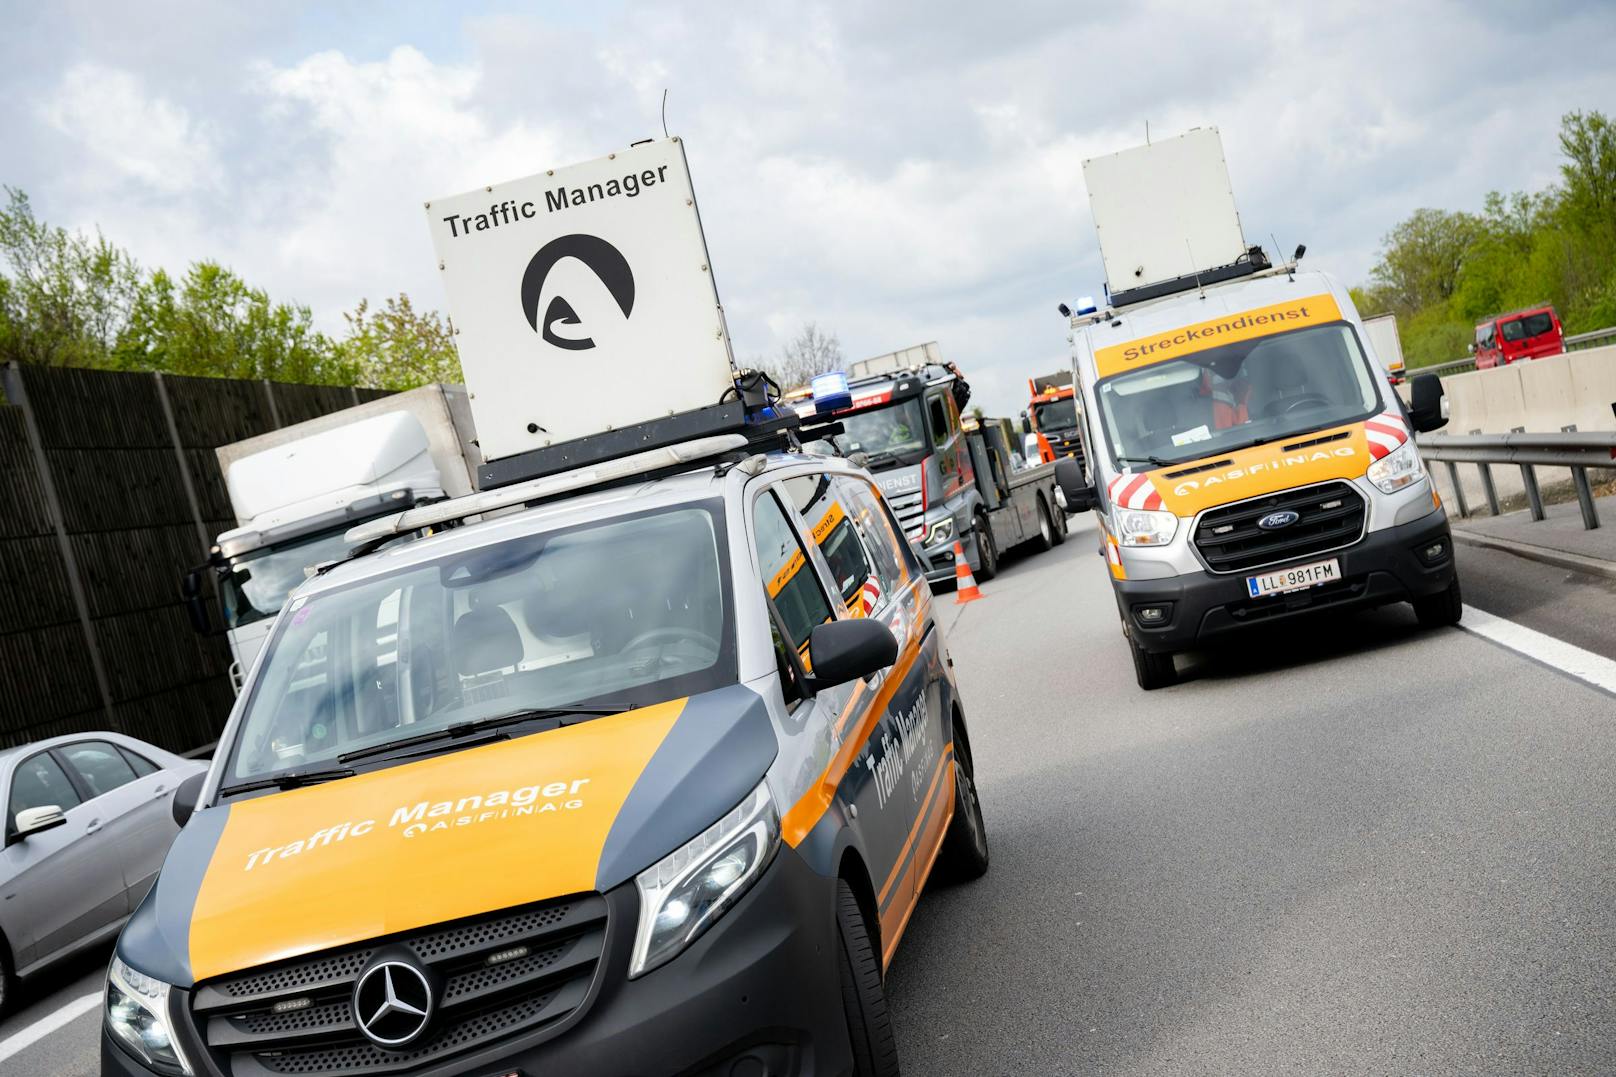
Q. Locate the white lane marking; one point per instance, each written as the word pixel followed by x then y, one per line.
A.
pixel 48 1024
pixel 1596 669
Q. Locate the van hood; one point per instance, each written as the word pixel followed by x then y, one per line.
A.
pixel 1342 452
pixel 574 810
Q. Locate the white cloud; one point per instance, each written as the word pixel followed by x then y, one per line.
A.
pixel 128 135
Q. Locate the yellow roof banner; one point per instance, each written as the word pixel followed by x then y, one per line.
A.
pixel 1227 329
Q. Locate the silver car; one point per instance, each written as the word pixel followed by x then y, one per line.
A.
pixel 89 818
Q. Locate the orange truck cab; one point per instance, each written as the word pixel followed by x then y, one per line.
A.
pixel 1523 334
pixel 1052 416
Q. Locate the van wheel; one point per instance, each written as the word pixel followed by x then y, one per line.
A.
pixel 965 846
pixel 864 999
pixel 1153 671
pixel 1441 609
pixel 987 554
pixel 1046 531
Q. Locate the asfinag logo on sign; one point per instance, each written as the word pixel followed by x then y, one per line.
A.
pixel 560 322
pixel 583 299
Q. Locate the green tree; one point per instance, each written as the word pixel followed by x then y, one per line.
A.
pixel 1421 258
pixel 397 347
pixel 65 297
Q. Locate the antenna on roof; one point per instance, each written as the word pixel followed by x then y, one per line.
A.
pixel 1195 268
pixel 1290 267
pixel 1147 132
pixel 664 112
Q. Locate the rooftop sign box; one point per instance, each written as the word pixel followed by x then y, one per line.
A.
pixel 1164 210
pixel 583 299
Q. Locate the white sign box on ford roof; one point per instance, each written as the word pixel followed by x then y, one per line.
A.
pixel 1164 210
pixel 583 298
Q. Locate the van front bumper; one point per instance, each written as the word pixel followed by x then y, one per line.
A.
pixel 758 993
pixel 1385 566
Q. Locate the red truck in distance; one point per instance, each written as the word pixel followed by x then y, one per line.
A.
pixel 1523 334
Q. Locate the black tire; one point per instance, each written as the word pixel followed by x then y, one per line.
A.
pixel 1441 609
pixel 1153 671
pixel 8 982
pixel 1044 541
pixel 1060 526
pixel 987 554
pixel 965 847
pixel 864 998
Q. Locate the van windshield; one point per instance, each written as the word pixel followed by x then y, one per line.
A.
pixel 628 611
pixel 1239 394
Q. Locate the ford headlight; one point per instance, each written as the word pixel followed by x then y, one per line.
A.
pixel 1399 468
pixel 939 532
pixel 683 895
pixel 137 1014
pixel 1141 527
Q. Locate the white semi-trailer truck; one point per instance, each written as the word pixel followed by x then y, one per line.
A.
pixel 296 491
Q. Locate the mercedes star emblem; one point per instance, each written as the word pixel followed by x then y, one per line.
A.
pixel 392 1003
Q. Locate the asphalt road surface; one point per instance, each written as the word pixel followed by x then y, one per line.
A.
pixel 1354 848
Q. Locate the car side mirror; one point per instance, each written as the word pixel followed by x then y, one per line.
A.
pixel 186 796
pixel 32 821
pixel 196 607
pixel 1079 494
pixel 843 651
pixel 1427 411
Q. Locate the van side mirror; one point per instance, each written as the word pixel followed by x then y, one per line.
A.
pixel 186 796
pixel 843 651
pixel 1079 494
pixel 1427 411
pixel 32 821
pixel 196 607
pixel 1472 349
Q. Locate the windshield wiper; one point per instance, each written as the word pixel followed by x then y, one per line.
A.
pixel 461 730
pixel 288 779
pixel 1155 460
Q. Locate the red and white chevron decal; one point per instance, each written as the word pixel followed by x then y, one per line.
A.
pixel 1386 432
pixel 1130 491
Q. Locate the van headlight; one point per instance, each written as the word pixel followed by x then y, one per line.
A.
pixel 1399 468
pixel 683 895
pixel 137 1014
pixel 1142 527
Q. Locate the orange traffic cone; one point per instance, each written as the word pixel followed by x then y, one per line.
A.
pixel 965 589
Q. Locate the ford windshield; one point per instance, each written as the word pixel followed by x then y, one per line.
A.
pixel 1237 395
pixel 624 612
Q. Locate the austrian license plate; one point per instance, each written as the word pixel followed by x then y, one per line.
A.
pixel 1294 579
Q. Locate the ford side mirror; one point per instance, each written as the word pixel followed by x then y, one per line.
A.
pixel 843 651
pixel 1079 494
pixel 1427 411
pixel 186 795
pixel 32 821
pixel 196 607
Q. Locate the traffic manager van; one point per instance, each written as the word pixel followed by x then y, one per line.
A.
pixel 633 766
pixel 1250 461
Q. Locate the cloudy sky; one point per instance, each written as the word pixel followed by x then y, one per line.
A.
pixel 897 172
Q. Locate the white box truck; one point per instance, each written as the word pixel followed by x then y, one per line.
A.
pixel 1385 344
pixel 296 491
pixel 1248 458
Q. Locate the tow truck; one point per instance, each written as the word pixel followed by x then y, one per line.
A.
pixel 904 419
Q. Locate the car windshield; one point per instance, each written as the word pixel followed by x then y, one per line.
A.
pixel 1236 395
pixel 629 611
pixel 1055 415
pixel 259 583
pixel 895 430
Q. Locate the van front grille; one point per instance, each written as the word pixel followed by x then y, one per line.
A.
pixel 1328 517
pixel 496 976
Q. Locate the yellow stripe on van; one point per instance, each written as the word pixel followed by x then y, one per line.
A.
pixel 1282 464
pixel 1227 329
pixel 452 836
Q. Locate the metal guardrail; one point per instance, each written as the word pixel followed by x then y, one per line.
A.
pixel 1462 366
pixel 1577 451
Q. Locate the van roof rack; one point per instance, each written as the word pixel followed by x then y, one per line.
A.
pixel 604 460
pixel 1253 261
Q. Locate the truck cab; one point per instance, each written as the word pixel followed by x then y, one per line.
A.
pixel 1523 334
pixel 1250 461
pixel 1052 417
